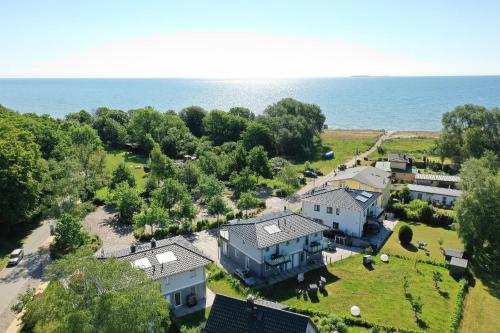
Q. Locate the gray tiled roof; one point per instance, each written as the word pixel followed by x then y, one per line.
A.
pixel 454 253
pixel 367 175
pixel 231 315
pixel 337 197
pixel 435 190
pixel 400 157
pixel 188 256
pixel 291 225
pixel 459 262
pixel 442 178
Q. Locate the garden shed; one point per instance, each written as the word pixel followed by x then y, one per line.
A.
pixel 452 253
pixel 458 266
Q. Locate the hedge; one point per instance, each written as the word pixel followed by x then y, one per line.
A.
pixel 423 261
pixel 459 303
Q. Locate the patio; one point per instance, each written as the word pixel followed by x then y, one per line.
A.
pixel 202 304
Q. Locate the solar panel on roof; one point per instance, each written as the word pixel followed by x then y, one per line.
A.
pixel 141 263
pixel 361 198
pixel 366 194
pixel 272 229
pixel 165 257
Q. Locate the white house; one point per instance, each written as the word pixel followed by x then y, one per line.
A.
pixel 178 266
pixel 270 244
pixel 439 195
pixel 341 208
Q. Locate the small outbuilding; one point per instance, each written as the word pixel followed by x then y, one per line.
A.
pixel 458 266
pixel 452 253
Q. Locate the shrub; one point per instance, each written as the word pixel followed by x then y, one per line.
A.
pixel 262 204
pixel 457 313
pixel 161 233
pixel 405 235
pixel 230 215
pixel 173 229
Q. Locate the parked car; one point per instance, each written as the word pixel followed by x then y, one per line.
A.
pixel 342 167
pixel 245 275
pixel 15 257
pixel 310 173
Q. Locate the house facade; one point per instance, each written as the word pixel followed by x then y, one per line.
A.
pixel 273 243
pixel 366 178
pixel 176 264
pixel 437 195
pixel 341 208
pixel 445 181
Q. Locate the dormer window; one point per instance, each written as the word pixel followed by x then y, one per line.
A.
pixel 316 208
pixel 337 211
pixel 329 210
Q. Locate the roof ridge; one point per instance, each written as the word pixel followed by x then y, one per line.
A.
pixel 195 252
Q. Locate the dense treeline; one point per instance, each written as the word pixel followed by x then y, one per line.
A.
pixel 50 166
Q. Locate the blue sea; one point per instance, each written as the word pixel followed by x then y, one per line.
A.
pixel 392 103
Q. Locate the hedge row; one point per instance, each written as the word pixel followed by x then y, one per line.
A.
pixel 423 261
pixel 459 303
pixel 355 321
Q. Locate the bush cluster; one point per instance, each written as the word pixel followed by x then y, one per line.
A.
pixel 459 303
pixel 422 211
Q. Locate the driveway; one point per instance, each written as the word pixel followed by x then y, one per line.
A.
pixel 104 223
pixel 28 273
pixel 206 242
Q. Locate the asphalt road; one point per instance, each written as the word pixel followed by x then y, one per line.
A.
pixel 28 273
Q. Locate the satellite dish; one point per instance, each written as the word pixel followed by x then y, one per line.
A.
pixel 355 311
pixel 384 257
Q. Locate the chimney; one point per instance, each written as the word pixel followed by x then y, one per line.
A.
pixel 132 248
pixel 153 242
pixel 250 301
pixel 284 208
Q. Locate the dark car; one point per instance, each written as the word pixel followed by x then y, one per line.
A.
pixel 342 167
pixel 310 173
pixel 15 257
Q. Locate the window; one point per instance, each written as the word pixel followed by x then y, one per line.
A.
pixel 329 210
pixel 192 273
pixel 335 225
pixel 297 240
pixel 318 220
pixel 315 235
pixel 288 243
pixel 419 196
pixel 177 299
pixel 316 208
pixel 337 211
pixel 267 249
pixel 236 253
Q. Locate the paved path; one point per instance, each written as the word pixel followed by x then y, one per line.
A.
pixel 113 234
pixel 28 273
pixel 274 204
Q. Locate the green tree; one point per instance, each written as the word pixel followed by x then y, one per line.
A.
pixel 171 193
pixel 190 174
pixel 111 125
pixel 161 166
pixel 186 211
pixel 477 213
pixel 288 178
pixel 242 182
pixel 143 122
pixel 247 201
pixel 437 277
pixel 209 187
pixel 258 162
pixel 405 235
pixel 257 134
pixel 405 195
pixel 126 200
pixel 21 175
pixel 89 153
pixel 86 294
pixel 242 112
pixel 193 117
pixel 122 173
pixel 221 126
pixel 152 215
pixel 68 232
pixel 417 306
pixel 216 206
pixel 82 117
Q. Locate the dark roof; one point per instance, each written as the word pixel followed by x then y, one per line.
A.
pixel 187 257
pixel 340 197
pixel 231 315
pixel 458 262
pixel 290 225
pixel 454 253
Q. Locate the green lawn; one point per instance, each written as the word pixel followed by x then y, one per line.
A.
pixel 424 233
pixel 194 319
pixel 418 147
pixel 135 162
pixel 346 144
pixel 377 292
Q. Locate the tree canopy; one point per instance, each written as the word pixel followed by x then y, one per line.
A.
pixel 193 117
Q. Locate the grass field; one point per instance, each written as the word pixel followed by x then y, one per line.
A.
pixel 346 144
pixel 424 233
pixel 135 162
pixel 418 147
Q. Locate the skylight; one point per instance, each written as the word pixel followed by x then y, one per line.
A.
pixel 141 263
pixel 272 229
pixel 166 257
pixel 361 198
pixel 366 194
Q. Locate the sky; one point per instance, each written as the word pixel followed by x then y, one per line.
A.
pixel 248 39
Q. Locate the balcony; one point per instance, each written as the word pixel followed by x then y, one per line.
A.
pixel 278 259
pixel 315 247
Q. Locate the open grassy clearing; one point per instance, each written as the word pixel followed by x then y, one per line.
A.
pixel 346 144
pixel 378 292
pixel 418 147
pixel 135 163
pixel 425 233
